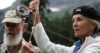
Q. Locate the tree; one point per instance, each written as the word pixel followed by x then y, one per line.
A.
pixel 60 29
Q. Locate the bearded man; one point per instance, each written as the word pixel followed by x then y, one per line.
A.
pixel 13 42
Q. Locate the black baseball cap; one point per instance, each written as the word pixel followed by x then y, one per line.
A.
pixel 87 11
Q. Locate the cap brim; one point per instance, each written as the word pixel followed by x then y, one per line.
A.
pixel 12 20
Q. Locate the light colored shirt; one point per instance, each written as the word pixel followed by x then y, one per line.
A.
pixel 46 46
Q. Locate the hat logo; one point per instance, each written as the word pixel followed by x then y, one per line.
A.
pixel 78 9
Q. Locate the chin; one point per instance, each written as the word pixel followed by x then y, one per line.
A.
pixel 12 40
pixel 77 35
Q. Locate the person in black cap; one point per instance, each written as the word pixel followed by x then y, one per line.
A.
pixel 86 26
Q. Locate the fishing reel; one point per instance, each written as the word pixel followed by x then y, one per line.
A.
pixel 22 11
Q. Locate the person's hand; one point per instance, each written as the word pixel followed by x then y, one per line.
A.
pixel 34 9
pixel 34 6
pixel 29 48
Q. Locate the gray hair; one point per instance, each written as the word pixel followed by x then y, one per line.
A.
pixel 97 30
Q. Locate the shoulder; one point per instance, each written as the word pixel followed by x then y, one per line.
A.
pixel 93 48
pixel 3 48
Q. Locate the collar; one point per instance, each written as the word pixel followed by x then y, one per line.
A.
pixel 79 43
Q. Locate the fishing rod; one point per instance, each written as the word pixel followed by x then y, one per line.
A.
pixel 24 12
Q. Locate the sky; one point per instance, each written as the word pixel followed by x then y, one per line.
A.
pixel 5 3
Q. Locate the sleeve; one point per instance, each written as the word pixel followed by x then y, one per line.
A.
pixel 93 48
pixel 45 45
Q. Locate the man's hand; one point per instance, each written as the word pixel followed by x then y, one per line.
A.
pixel 29 48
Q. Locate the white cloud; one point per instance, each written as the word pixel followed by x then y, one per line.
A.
pixel 5 3
pixel 53 9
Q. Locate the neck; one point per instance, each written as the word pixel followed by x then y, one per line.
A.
pixel 14 48
pixel 84 36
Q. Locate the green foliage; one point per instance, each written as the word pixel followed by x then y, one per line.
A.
pixel 59 28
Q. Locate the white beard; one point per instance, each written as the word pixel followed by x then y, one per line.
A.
pixel 12 41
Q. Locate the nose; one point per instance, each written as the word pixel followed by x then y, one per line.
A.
pixel 9 27
pixel 75 24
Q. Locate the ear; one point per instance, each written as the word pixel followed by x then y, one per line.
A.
pixel 25 26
